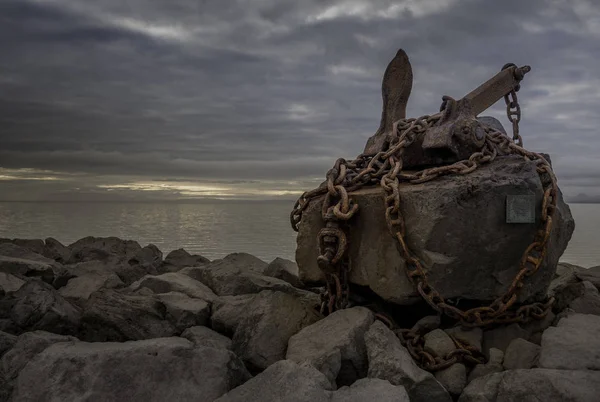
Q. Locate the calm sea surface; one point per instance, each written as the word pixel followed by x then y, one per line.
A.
pixel 213 230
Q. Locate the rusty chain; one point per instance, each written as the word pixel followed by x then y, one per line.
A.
pixel 385 168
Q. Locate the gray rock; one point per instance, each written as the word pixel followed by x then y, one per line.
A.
pixel 438 343
pixel 79 289
pixel 178 259
pixel 56 251
pixel 573 344
pixel 167 369
pixel 521 354
pixel 539 325
pixel 371 389
pixel 7 341
pixel 38 306
pixel 535 385
pixel 454 378
pixel 111 316
pixel 590 275
pixel 149 257
pixel 335 345
pixel 389 360
pixel 565 287
pixel 17 250
pixel 285 270
pixel 492 122
pixel 427 324
pixel 448 221
pixel 227 312
pixel 472 336
pixel 10 283
pixel 493 365
pixel 269 320
pixel 27 268
pixel 103 248
pixel 284 381
pixel 203 336
pixel 588 302
pixel 175 282
pixel 183 311
pixel 501 337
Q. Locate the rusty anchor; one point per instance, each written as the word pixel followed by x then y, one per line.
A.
pixel 458 133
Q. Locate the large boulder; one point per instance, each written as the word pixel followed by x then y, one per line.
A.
pixel 178 259
pixel 175 282
pixel 167 369
pixel 449 221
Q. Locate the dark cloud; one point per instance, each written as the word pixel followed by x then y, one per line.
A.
pixel 267 95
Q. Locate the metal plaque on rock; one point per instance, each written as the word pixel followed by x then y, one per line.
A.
pixel 520 208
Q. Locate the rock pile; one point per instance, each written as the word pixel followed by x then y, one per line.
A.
pixel 105 319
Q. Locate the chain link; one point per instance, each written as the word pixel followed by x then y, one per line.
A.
pixel 385 169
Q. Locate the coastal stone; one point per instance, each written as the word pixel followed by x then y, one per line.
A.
pixel 282 381
pixel 535 385
pixel 371 389
pixel 168 369
pixel 103 248
pixel 178 259
pixel 448 221
pixel 472 336
pixel 494 365
pixel 588 302
pixel 203 336
pixel 38 306
pixel 175 282
pixel 79 289
pixel 521 354
pixel 56 251
pixel 27 268
pixel 427 324
pixel 149 257
pixel 16 251
pixel 454 378
pixel 183 311
pixel 7 341
pixel 227 312
pixel 502 336
pixel 573 344
pixel 10 283
pixel 389 360
pixel 590 275
pixel 438 343
pixel 535 325
pixel 335 345
pixel 110 316
pixel 269 320
pixel 285 270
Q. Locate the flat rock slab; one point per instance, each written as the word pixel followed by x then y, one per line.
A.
pixel 371 389
pixel 448 221
pixel 175 282
pixel 335 345
pixel 534 385
pixel 521 354
pixel 167 369
pixel 203 336
pixel 574 344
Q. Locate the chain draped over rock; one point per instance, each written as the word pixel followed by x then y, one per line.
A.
pixel 385 169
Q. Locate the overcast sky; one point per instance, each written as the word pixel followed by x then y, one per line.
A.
pixel 115 99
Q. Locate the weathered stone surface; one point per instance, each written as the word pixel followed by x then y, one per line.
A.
pixel 590 274
pixel 79 289
pixel 472 336
pixel 175 282
pixel 335 345
pixel 574 344
pixel 521 354
pixel 7 341
pixel 268 322
pixel 448 221
pixel 228 282
pixel 227 312
pixel 27 268
pixel 183 311
pixel 283 381
pixel 203 336
pixel 535 385
pixel 427 324
pixel 438 343
pixel 17 251
pixel 56 251
pixel 588 302
pixel 178 259
pixel 168 369
pixel 501 337
pixel 149 257
pixel 494 365
pixel 10 283
pixel 389 360
pixel 285 270
pixel 111 316
pixel 371 389
pixel 38 306
pixel 454 378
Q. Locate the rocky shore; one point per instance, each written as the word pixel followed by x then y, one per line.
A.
pixel 106 319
